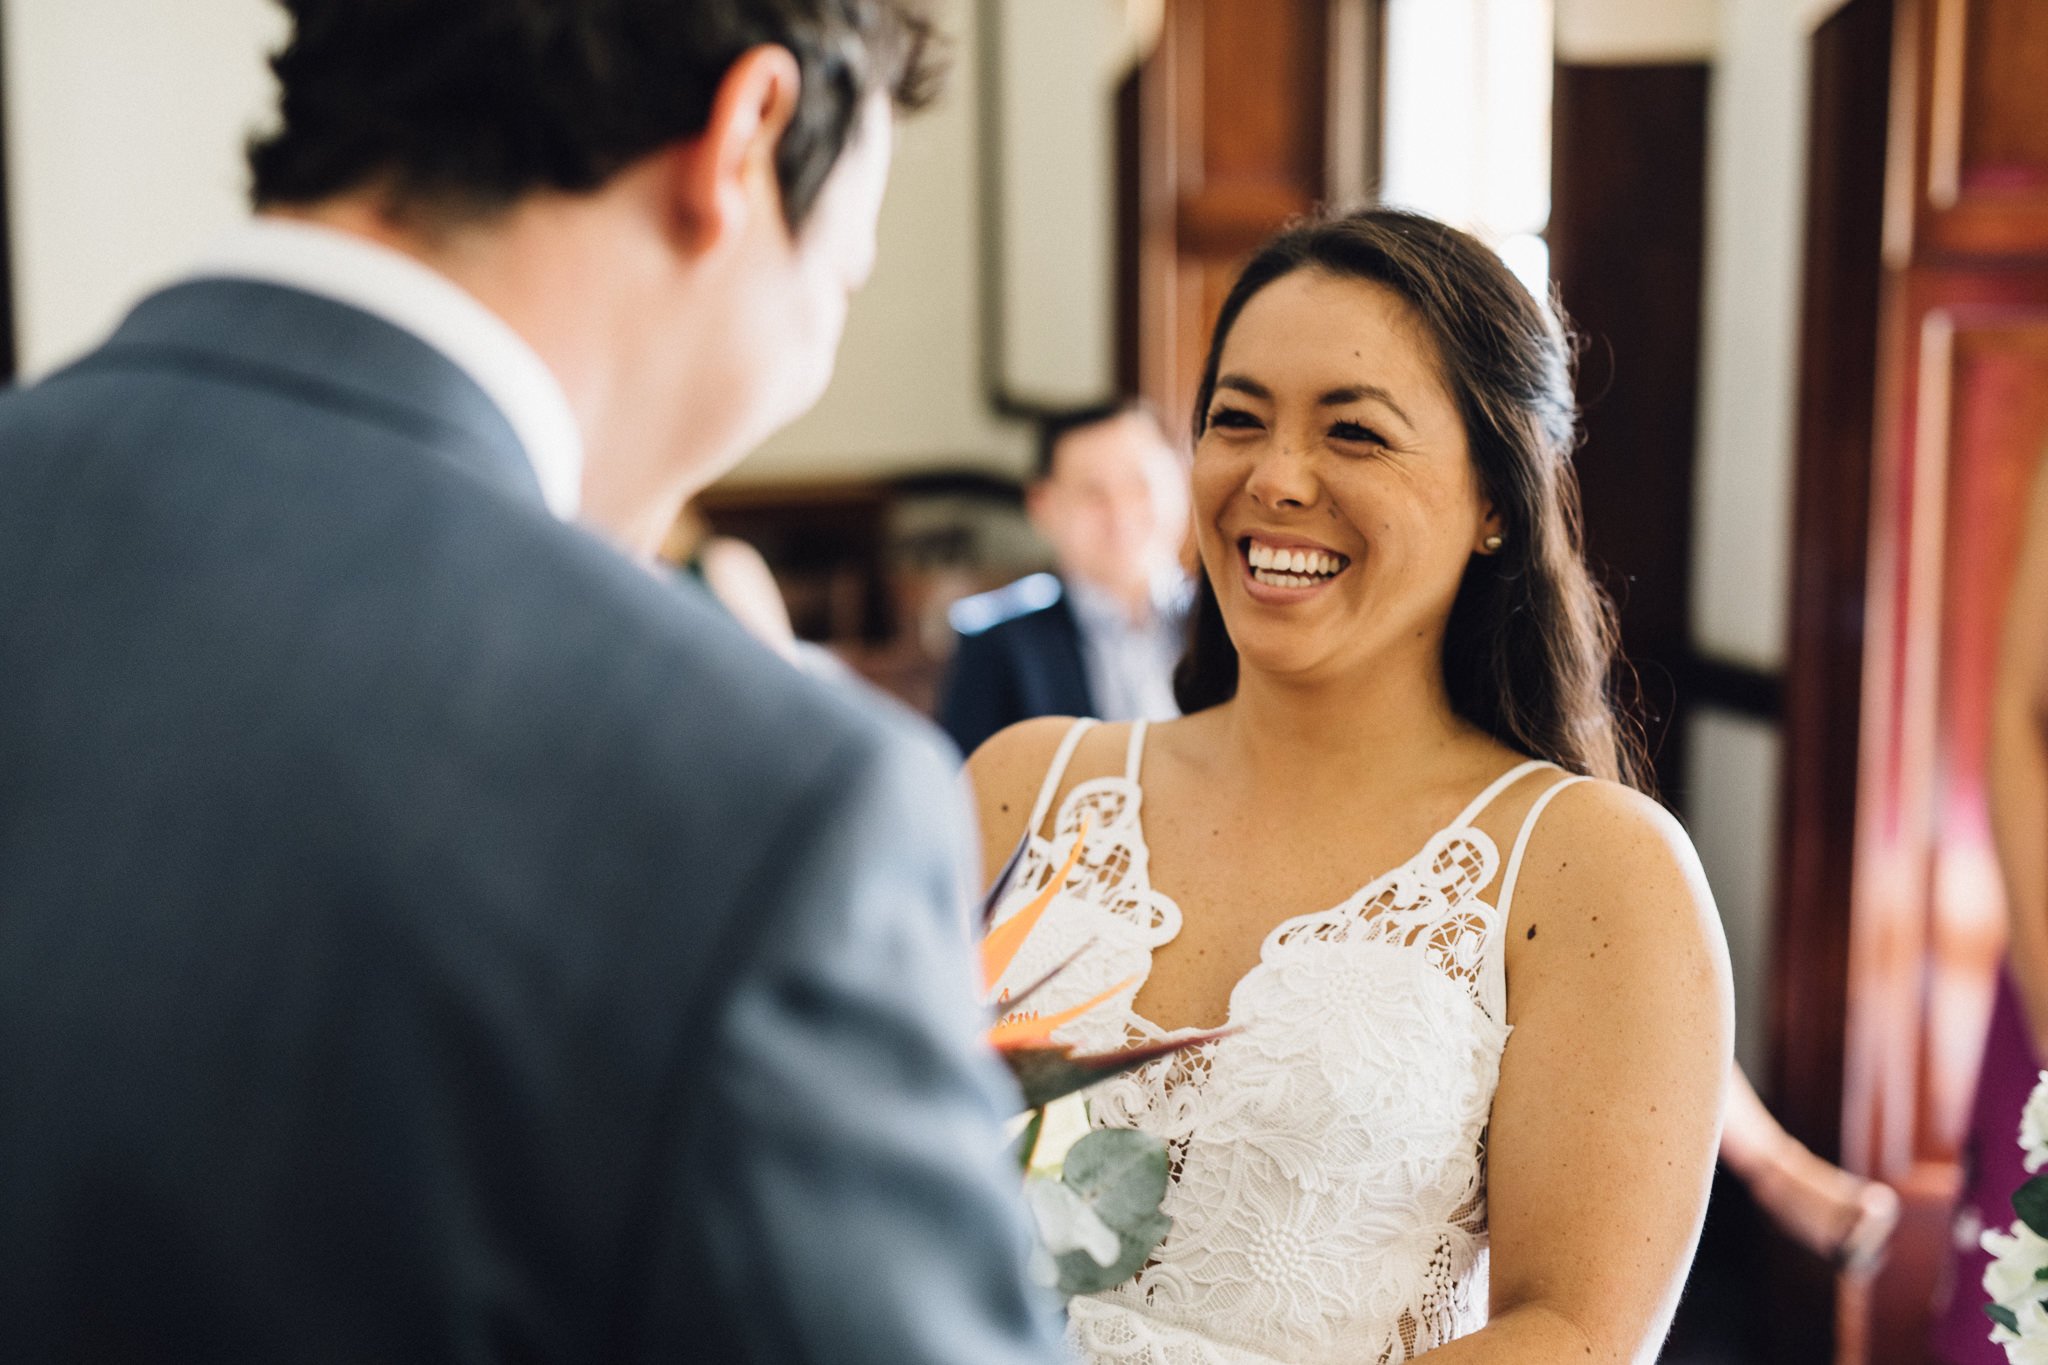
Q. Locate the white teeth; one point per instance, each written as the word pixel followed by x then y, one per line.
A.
pixel 1284 580
pixel 1308 566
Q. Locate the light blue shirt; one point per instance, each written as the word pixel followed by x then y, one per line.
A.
pixel 1130 663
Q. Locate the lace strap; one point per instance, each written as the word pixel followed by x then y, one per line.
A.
pixel 1060 759
pixel 1134 758
pixel 1500 784
pixel 1496 984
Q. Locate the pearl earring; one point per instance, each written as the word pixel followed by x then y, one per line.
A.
pixel 1493 544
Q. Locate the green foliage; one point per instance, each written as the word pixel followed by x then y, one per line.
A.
pixel 2031 1204
pixel 1120 1174
pixel 1049 1073
pixel 1027 1141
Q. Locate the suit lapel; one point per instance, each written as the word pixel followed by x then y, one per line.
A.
pixel 1065 661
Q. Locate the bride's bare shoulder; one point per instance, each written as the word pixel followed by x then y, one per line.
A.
pixel 1005 775
pixel 1612 882
pixel 1617 832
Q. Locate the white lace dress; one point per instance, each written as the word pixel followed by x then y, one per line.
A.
pixel 1329 1165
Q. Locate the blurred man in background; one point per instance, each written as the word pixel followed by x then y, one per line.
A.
pixel 1101 635
pixel 424 935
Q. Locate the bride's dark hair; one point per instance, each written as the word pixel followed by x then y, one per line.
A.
pixel 1530 651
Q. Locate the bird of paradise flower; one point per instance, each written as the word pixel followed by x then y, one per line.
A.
pixel 1099 1219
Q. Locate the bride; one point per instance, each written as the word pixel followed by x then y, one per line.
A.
pixel 1476 994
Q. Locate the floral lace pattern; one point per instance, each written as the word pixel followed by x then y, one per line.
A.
pixel 1329 1173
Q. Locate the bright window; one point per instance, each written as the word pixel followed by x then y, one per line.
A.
pixel 1468 121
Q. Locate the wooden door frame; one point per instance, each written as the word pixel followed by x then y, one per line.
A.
pixel 8 352
pixel 1852 61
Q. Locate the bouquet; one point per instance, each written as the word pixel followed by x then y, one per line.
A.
pixel 1097 1209
pixel 2017 1278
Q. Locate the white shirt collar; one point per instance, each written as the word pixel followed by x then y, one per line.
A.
pixel 1172 592
pixel 411 295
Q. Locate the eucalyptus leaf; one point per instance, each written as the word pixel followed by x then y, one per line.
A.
pixel 1998 1313
pixel 2030 1202
pixel 1121 1175
pixel 1121 1172
pixel 2042 1273
pixel 1081 1275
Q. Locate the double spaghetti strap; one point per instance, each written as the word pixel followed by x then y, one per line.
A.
pixel 1507 886
pixel 1060 759
pixel 1496 978
pixel 1500 784
pixel 1134 757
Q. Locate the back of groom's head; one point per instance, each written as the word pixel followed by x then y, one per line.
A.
pixel 461 107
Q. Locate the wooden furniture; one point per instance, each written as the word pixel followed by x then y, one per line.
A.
pixel 868 567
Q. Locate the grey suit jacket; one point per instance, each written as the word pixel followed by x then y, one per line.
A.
pixel 422 937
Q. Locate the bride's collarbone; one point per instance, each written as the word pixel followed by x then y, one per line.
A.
pixel 1239 871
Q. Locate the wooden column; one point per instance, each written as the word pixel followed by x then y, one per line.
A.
pixel 1628 207
pixel 1851 93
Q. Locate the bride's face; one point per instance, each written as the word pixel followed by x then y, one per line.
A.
pixel 1332 435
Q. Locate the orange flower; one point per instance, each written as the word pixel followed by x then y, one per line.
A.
pixel 1000 945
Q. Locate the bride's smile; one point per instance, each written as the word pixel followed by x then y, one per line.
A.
pixel 1283 569
pixel 1336 502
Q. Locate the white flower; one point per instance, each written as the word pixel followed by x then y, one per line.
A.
pixel 1067 1222
pixel 2031 1346
pixel 2015 1256
pixel 2034 1126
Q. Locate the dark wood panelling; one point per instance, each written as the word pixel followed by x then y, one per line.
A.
pixel 7 343
pixel 1628 190
pixel 1129 226
pixel 1809 990
pixel 1979 184
pixel 1234 108
pixel 1751 692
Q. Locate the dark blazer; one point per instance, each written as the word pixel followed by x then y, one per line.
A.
pixel 424 938
pixel 1018 656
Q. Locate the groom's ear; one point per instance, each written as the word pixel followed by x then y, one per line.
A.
pixel 724 178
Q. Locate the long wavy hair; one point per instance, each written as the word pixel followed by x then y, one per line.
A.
pixel 1530 651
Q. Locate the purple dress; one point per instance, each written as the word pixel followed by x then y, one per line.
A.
pixel 1991 1172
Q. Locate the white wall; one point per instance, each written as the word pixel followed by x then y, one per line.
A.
pixel 1756 212
pixel 1756 209
pixel 1058 198
pixel 908 392
pixel 125 123
pixel 1598 32
pixel 1732 765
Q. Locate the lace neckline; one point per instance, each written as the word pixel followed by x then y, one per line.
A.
pixel 1460 827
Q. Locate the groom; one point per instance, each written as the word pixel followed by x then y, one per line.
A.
pixel 420 937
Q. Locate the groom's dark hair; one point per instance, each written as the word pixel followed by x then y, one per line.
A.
pixel 460 107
